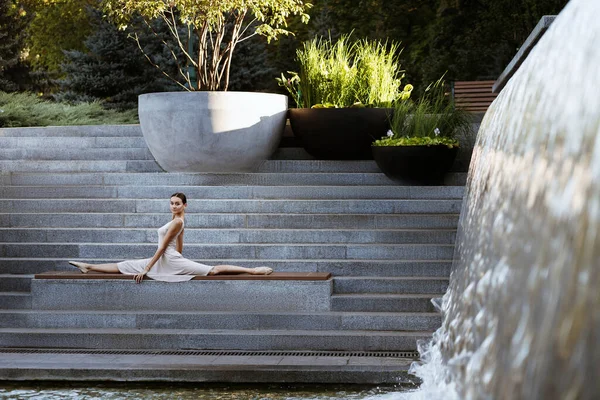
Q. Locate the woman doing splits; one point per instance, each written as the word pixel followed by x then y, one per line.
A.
pixel 168 264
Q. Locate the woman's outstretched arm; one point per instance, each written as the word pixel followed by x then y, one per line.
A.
pixel 173 229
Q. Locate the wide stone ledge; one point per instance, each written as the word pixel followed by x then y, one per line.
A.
pixel 66 367
pixel 221 293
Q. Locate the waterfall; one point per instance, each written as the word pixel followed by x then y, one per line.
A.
pixel 522 313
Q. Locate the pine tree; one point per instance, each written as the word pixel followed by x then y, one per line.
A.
pixel 476 39
pixel 111 70
pixel 13 21
pixel 252 68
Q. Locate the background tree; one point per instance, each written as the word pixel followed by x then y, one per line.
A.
pixel 253 67
pixel 213 30
pixel 401 21
pixel 57 25
pixel 13 21
pixel 476 39
pixel 111 69
pixel 471 39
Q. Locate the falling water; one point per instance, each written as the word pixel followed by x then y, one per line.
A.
pixel 522 314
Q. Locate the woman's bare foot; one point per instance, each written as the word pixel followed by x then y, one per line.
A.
pixel 82 266
pixel 262 271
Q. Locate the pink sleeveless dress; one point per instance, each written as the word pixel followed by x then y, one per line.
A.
pixel 171 267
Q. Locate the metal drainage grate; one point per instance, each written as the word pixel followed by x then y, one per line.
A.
pixel 274 353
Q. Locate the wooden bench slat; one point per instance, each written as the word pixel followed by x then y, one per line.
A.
pixel 474 95
pixel 473 83
pixel 486 90
pixel 275 276
pixel 475 109
pixel 472 87
pixel 480 100
pixel 473 101
pixel 492 81
pixel 473 104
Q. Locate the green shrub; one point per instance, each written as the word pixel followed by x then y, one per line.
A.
pixel 344 74
pixel 379 77
pixel 26 109
pixel 431 120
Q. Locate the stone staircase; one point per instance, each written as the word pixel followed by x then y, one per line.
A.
pixel 96 194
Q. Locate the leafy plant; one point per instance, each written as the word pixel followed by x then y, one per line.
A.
pixel 327 74
pixel 432 120
pixel 344 74
pixel 379 77
pixel 25 109
pixel 206 32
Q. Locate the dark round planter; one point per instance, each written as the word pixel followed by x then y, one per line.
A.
pixel 339 133
pixel 423 165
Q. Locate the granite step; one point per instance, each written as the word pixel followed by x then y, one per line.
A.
pixel 161 179
pixel 383 302
pixel 233 221
pixel 436 268
pixel 240 251
pixel 341 284
pixel 257 236
pixel 23 173
pixel 233 192
pixel 15 300
pixel 112 338
pixel 389 285
pixel 15 282
pixel 297 366
pixel 74 131
pixel 72 142
pixel 79 166
pixel 318 166
pixel 421 206
pixel 86 154
pixel 35 319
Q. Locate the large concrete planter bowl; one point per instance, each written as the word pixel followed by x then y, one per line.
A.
pixel 212 131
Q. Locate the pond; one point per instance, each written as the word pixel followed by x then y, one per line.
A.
pixel 196 391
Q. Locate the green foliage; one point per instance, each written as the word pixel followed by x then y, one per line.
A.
pixel 111 70
pixel 327 74
pixel 378 73
pixel 405 21
pixel 471 39
pixel 57 25
pixel 416 141
pixel 475 40
pixel 24 109
pixel 432 119
pixel 252 67
pixel 13 21
pixel 344 74
pixel 213 29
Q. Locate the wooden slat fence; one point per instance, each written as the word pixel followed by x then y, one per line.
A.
pixel 473 96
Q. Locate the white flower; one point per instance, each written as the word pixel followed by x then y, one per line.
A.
pixel 390 133
pixel 436 131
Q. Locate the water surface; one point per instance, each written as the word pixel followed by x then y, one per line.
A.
pixel 109 391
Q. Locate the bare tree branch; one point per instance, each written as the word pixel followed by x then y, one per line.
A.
pixel 137 40
pixel 165 43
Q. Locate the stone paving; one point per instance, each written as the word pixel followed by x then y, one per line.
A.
pixel 202 368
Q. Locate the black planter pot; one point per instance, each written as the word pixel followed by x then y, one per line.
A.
pixel 339 133
pixel 423 165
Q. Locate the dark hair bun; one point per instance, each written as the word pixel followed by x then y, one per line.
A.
pixel 181 196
